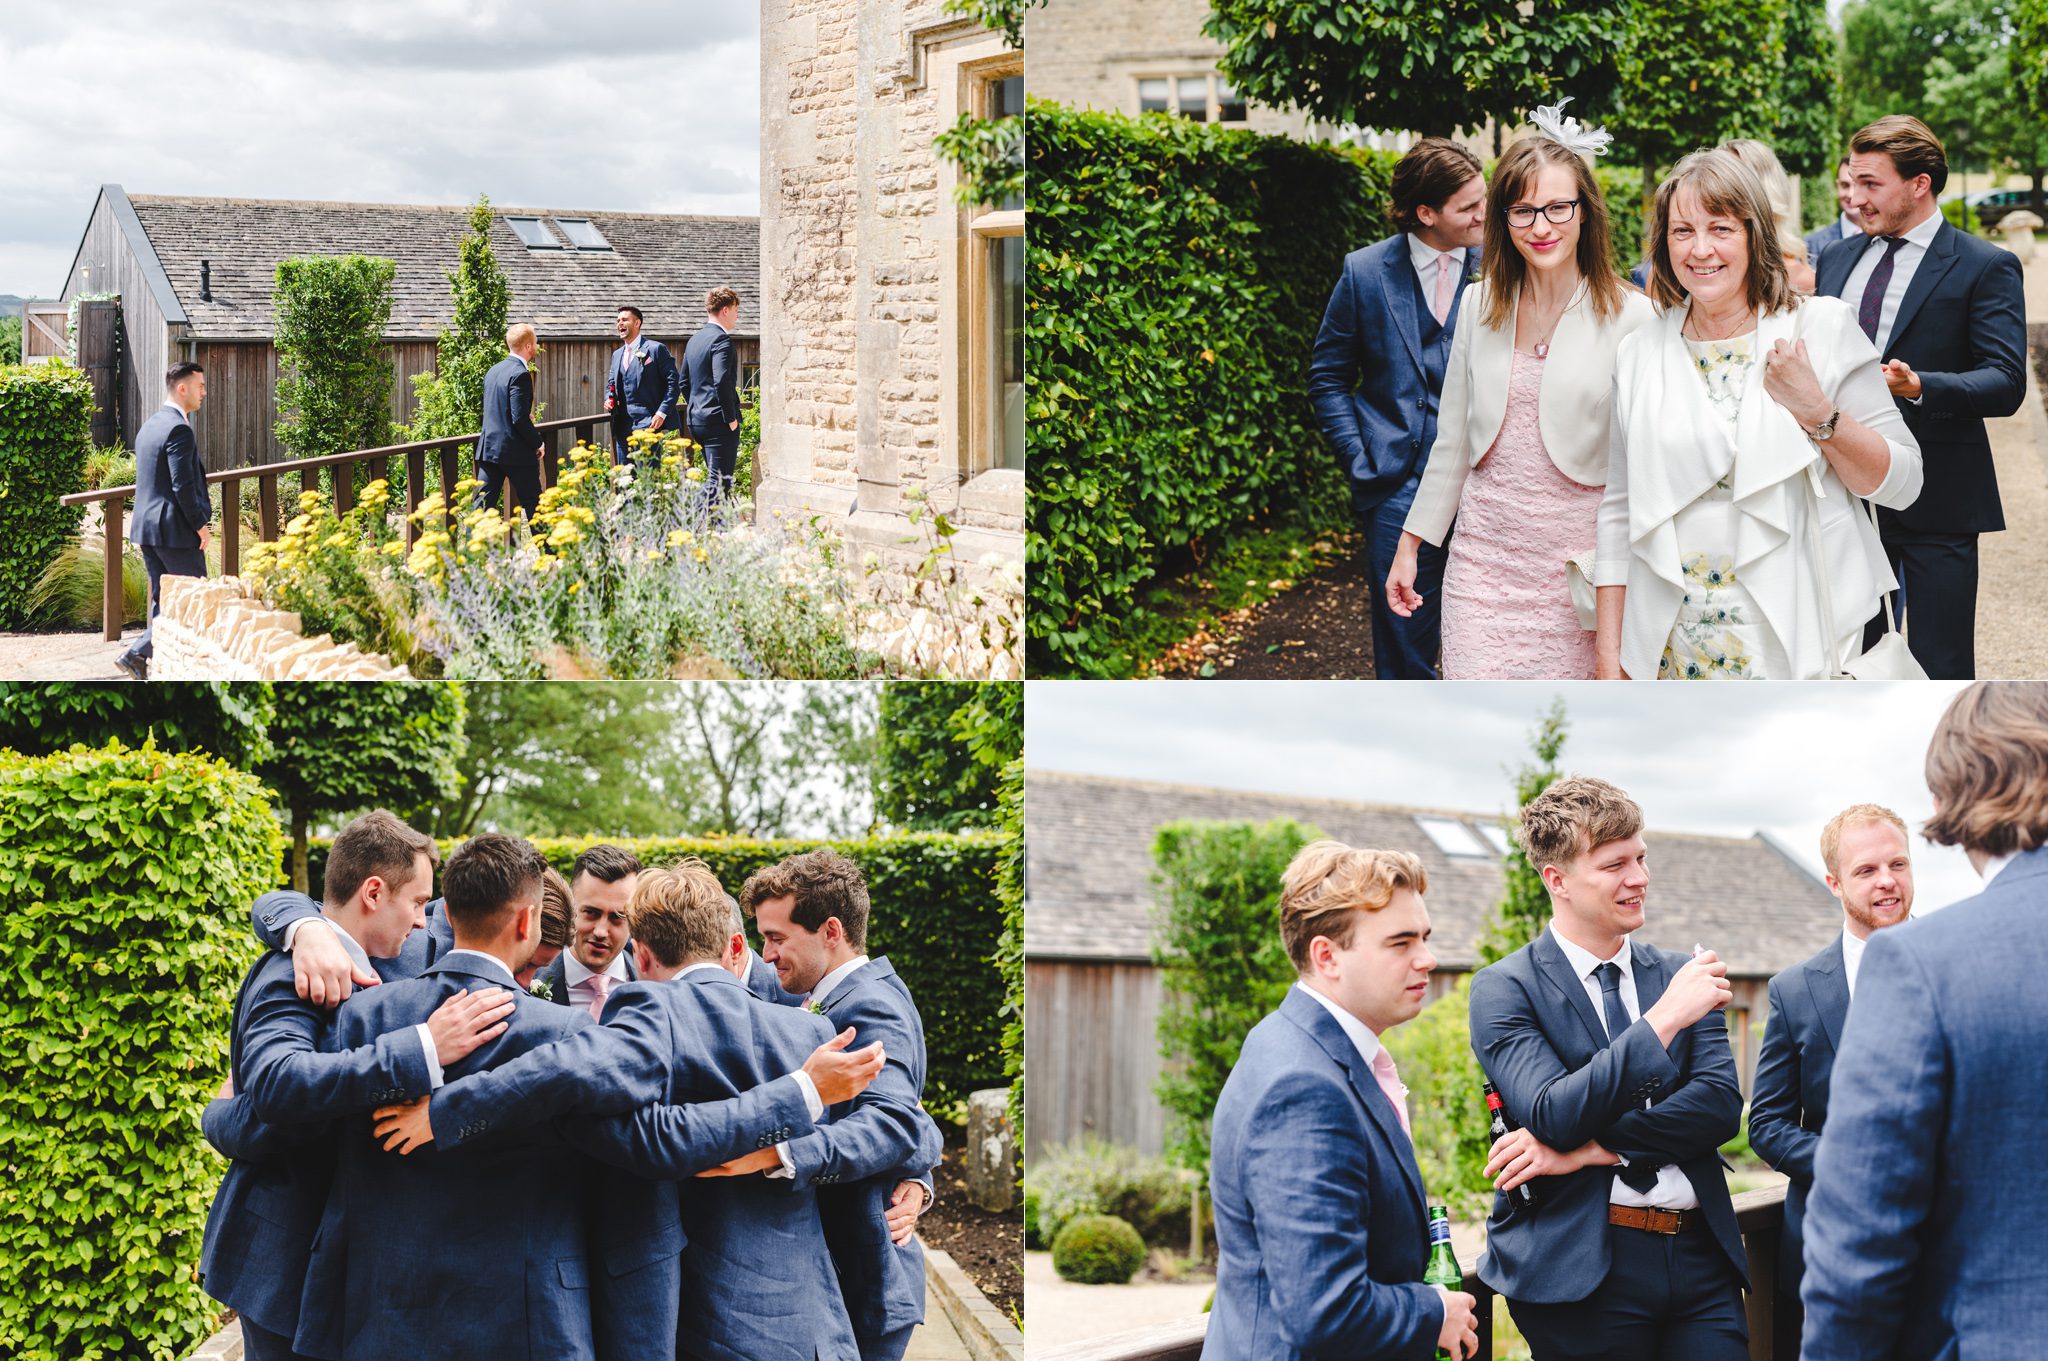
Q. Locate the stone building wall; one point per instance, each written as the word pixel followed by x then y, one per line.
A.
pixel 864 414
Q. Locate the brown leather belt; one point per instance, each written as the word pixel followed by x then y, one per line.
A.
pixel 1651 1220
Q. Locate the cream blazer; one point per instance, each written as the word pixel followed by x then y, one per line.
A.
pixel 1578 385
pixel 1667 448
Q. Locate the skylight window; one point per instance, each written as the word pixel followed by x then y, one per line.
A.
pixel 1453 837
pixel 533 233
pixel 1496 837
pixel 582 233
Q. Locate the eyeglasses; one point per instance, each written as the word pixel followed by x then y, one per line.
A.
pixel 1523 215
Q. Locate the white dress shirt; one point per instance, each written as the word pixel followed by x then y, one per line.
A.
pixel 1424 257
pixel 1672 1191
pixel 1904 266
pixel 829 984
pixel 361 959
pixel 1852 958
pixel 1849 226
pixel 1360 1034
pixel 581 991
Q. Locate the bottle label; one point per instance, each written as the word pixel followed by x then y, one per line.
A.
pixel 1439 1231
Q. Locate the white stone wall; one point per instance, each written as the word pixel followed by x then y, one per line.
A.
pixel 213 628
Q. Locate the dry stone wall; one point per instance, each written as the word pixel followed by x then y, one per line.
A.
pixel 214 628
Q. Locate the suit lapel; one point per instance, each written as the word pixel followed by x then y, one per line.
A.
pixel 1651 976
pixel 1827 983
pixel 1397 286
pixel 1941 255
pixel 1322 1027
pixel 1557 971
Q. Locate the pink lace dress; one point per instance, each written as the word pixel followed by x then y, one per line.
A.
pixel 1507 610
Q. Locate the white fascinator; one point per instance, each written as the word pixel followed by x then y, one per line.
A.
pixel 1583 138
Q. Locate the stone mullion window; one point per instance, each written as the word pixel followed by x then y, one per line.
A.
pixel 995 308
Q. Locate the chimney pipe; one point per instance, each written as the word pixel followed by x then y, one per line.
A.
pixel 206 281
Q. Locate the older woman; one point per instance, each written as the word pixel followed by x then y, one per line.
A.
pixel 1747 422
pixel 1521 437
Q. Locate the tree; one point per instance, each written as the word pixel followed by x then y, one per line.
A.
pixel 1806 142
pixel 1695 73
pixel 215 717
pixel 10 340
pixel 1432 68
pixel 942 746
pixel 1524 906
pixel 450 399
pixel 334 376
pixel 765 758
pixel 343 747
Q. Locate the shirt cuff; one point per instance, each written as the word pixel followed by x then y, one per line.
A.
pixel 786 1172
pixel 291 931
pixel 435 1077
pixel 812 1102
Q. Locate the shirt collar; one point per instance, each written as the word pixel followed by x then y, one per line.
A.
pixel 493 965
pixel 1922 235
pixel 574 972
pixel 1996 866
pixel 721 325
pixel 700 965
pixel 1584 961
pixel 1425 255
pixel 830 983
pixel 1358 1032
pixel 1850 227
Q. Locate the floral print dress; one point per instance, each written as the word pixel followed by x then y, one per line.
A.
pixel 1719 633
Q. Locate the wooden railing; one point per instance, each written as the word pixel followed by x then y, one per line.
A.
pixel 1773 1327
pixel 341 477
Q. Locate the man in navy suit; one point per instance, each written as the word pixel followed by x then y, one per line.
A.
pixel 1870 869
pixel 172 508
pixel 1845 227
pixel 1378 369
pixel 600 955
pixel 1321 1237
pixel 1948 313
pixel 711 361
pixel 288 1083
pixel 874 1161
pixel 1923 1229
pixel 510 447
pixel 1614 1057
pixel 643 380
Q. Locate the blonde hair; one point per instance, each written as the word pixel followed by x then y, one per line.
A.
pixel 1328 883
pixel 1858 815
pixel 680 913
pixel 1573 816
pixel 1778 192
pixel 1727 187
pixel 1987 767
pixel 517 334
pixel 1505 268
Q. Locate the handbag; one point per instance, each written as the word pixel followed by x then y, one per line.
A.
pixel 1890 659
pixel 1578 575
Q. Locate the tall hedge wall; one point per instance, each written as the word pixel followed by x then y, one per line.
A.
pixel 126 875
pixel 1177 273
pixel 45 434
pixel 933 909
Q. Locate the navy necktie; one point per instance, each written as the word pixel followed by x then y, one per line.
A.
pixel 1871 313
pixel 1638 1176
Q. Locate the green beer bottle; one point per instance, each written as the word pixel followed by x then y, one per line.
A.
pixel 1443 1263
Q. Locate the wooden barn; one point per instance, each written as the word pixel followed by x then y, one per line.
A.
pixel 1092 991
pixel 195 278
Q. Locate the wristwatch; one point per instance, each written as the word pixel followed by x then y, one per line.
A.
pixel 1826 429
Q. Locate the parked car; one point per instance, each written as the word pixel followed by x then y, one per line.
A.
pixel 1994 205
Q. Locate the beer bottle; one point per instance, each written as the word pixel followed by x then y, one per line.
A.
pixel 1443 1263
pixel 1523 1197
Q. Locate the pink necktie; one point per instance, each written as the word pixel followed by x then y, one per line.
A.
pixel 1444 288
pixel 1390 1083
pixel 603 983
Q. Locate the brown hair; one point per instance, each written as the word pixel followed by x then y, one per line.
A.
pixel 680 913
pixel 1858 815
pixel 489 877
pixel 1432 170
pixel 1725 187
pixel 607 864
pixel 554 908
pixel 1573 816
pixel 376 845
pixel 825 883
pixel 1326 886
pixel 720 298
pixel 1513 176
pixel 1911 144
pixel 1987 767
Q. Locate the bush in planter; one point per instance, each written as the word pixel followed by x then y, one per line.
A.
pixel 1098 1250
pixel 45 437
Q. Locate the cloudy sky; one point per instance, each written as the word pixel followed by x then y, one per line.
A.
pixel 1717 759
pixel 650 105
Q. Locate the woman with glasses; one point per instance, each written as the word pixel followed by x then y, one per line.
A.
pixel 1747 422
pixel 1521 447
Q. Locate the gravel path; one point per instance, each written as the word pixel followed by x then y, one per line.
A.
pixel 61 656
pixel 2014 564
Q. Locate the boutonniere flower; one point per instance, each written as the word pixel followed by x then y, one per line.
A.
pixel 815 1007
pixel 1472 275
pixel 543 988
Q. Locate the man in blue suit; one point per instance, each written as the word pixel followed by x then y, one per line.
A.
pixel 879 1150
pixel 1948 313
pixel 1923 1229
pixel 1378 369
pixel 509 448
pixel 172 507
pixel 600 955
pixel 643 380
pixel 1845 227
pixel 711 361
pixel 1321 1237
pixel 1614 1057
pixel 1870 869
pixel 288 1083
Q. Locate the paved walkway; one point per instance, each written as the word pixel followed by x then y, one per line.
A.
pixel 2013 565
pixel 936 1340
pixel 61 656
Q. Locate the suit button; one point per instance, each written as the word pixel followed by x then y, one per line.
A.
pixel 1416 445
pixel 1421 403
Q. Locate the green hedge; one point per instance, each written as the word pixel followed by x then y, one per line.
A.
pixel 1177 273
pixel 933 909
pixel 1010 947
pixel 45 438
pixel 126 874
